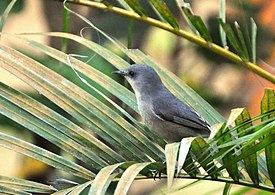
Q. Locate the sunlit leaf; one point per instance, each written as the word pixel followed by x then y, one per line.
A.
pixel 253 40
pixel 109 84
pixel 233 116
pixel 79 104
pixel 16 106
pixel 25 185
pixel 43 155
pixel 171 153
pixel 103 179
pixel 79 189
pixel 8 190
pixel 222 15
pixel 183 151
pixel 128 177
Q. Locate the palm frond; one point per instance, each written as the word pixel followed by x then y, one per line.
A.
pixel 232 150
pixel 240 151
pixel 195 23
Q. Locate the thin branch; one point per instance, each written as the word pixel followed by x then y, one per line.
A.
pixel 189 36
pixel 221 179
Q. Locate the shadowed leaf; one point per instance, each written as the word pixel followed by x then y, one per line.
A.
pixel 197 22
pixel 135 5
pixel 251 161
pixel 5 14
pixel 267 105
pixel 233 39
pixel 165 13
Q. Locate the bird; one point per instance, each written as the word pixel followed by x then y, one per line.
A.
pixel 161 111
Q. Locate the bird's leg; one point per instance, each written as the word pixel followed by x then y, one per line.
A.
pixel 157 173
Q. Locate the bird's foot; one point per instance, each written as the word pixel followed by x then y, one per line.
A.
pixel 155 173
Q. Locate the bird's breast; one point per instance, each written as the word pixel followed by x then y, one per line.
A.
pixel 145 109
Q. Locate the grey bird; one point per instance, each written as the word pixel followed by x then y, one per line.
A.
pixel 163 112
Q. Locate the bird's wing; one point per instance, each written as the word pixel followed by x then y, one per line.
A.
pixel 181 115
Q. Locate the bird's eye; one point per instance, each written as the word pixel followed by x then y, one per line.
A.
pixel 131 73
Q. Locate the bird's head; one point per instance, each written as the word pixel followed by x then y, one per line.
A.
pixel 141 77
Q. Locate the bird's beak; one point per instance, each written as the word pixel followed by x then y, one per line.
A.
pixel 120 72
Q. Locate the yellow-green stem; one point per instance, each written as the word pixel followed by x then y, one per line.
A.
pixel 189 36
pixel 202 177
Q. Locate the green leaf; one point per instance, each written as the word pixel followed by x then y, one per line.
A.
pixel 40 122
pixel 222 15
pixel 135 5
pixel 267 105
pixel 165 13
pixel 43 155
pixel 103 80
pixel 253 40
pixel 5 15
pixel 226 189
pixel 84 107
pixel 181 33
pixel 233 39
pixel 7 190
pixel 241 39
pixel 254 136
pixel 189 166
pixel 183 5
pixel 121 2
pixel 229 144
pixel 61 124
pixel 200 149
pixel 232 168
pixel 250 162
pixel 25 185
pixel 66 23
pixel 198 23
pixel 109 84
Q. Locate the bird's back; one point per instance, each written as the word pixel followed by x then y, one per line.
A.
pixel 170 118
